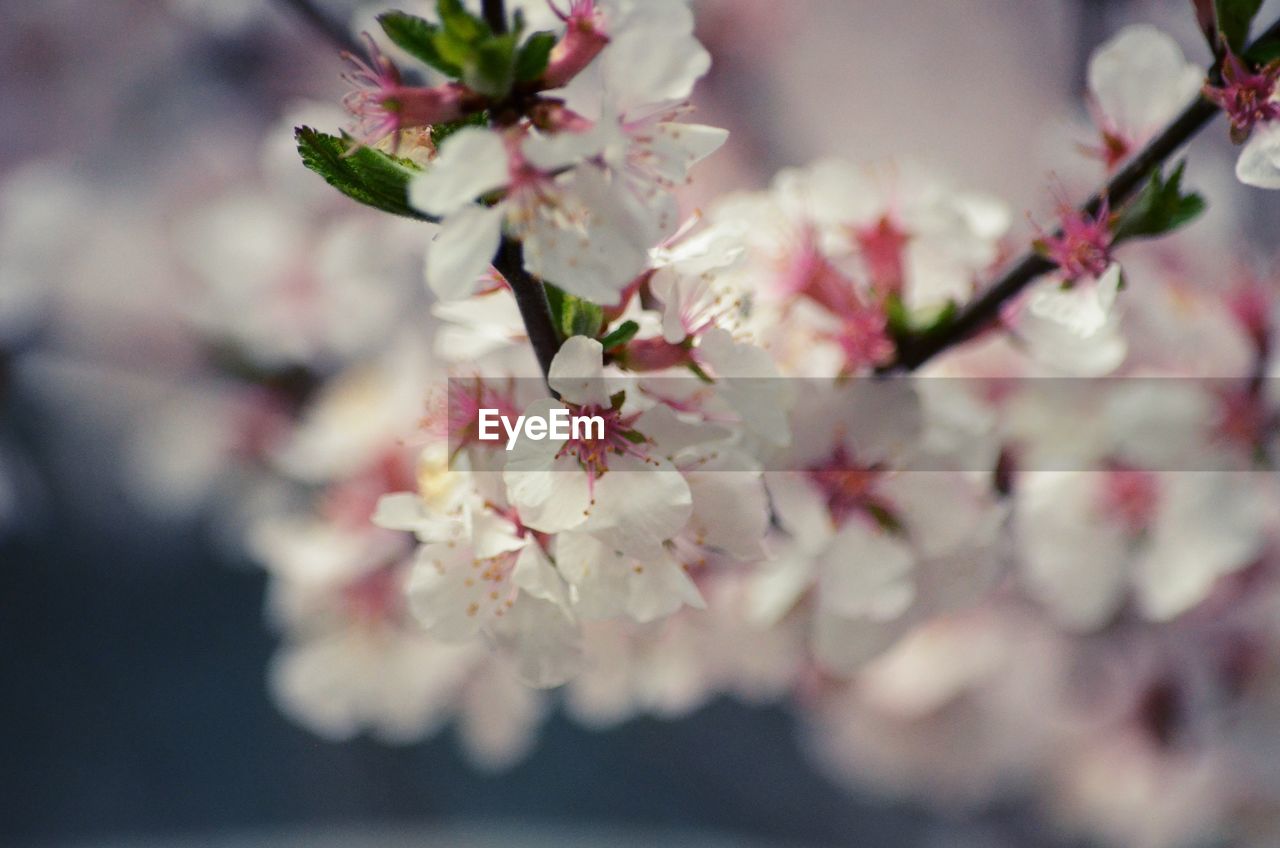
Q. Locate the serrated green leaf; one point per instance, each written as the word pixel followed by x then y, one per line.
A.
pixel 416 36
pixel 572 315
pixel 367 175
pixel 1161 208
pixel 460 23
pixel 622 334
pixel 534 56
pixel 1234 19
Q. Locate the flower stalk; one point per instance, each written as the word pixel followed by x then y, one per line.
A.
pixel 978 314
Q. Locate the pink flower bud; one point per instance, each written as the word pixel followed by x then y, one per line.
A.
pixel 1248 98
pixel 583 40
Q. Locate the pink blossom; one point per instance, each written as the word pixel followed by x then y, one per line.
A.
pixel 1083 247
pixel 383 105
pixel 1248 98
pixel 583 40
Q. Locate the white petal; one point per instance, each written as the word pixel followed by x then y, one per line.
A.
pixel 471 162
pixel 398 511
pixel 463 251
pixel 638 506
pixel 1141 79
pixel 677 147
pixel 749 382
pixel 866 573
pixel 605 248
pixel 452 593
pixel 801 508
pixel 542 641
pixel 730 511
pixel 654 62
pixel 535 574
pixel 658 588
pixel 577 372
pixel 1209 524
pixel 561 150
pixel 1074 561
pixel 1259 162
pixel 597 573
pixel 844 645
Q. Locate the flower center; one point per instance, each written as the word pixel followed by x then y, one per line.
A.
pixel 617 439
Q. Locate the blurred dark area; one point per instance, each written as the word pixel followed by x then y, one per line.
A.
pixel 135 706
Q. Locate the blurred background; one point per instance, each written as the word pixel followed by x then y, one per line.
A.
pixel 142 134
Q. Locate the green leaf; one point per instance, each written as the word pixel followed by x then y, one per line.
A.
pixel 1161 208
pixel 574 316
pixel 1234 19
pixel 634 437
pixel 454 50
pixel 534 56
pixel 440 132
pixel 367 175
pixel 622 334
pixel 493 70
pixel 1264 53
pixel 416 37
pixel 460 23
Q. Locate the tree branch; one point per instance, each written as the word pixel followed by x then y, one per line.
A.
pixel 984 310
pixel 531 297
pixel 495 15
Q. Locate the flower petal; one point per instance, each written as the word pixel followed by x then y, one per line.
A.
pixel 471 162
pixel 463 251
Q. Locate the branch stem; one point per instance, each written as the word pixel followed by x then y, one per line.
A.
pixel 985 310
pixel 495 15
pixel 531 298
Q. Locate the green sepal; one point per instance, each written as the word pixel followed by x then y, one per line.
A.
pixel 1161 208
pixel 573 316
pixel 1264 53
pixel 697 371
pixel 365 175
pixel 905 323
pixel 494 69
pixel 621 334
pixel 534 56
pixel 1234 19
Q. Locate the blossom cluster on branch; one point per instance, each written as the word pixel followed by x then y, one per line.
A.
pixel 1045 563
pixel 761 515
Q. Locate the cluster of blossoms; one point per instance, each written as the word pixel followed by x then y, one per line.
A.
pixel 989 580
pixel 968 581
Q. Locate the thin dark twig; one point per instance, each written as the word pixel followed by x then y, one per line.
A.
pixel 531 297
pixel 495 15
pixel 530 293
pixel 325 24
pixel 985 309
